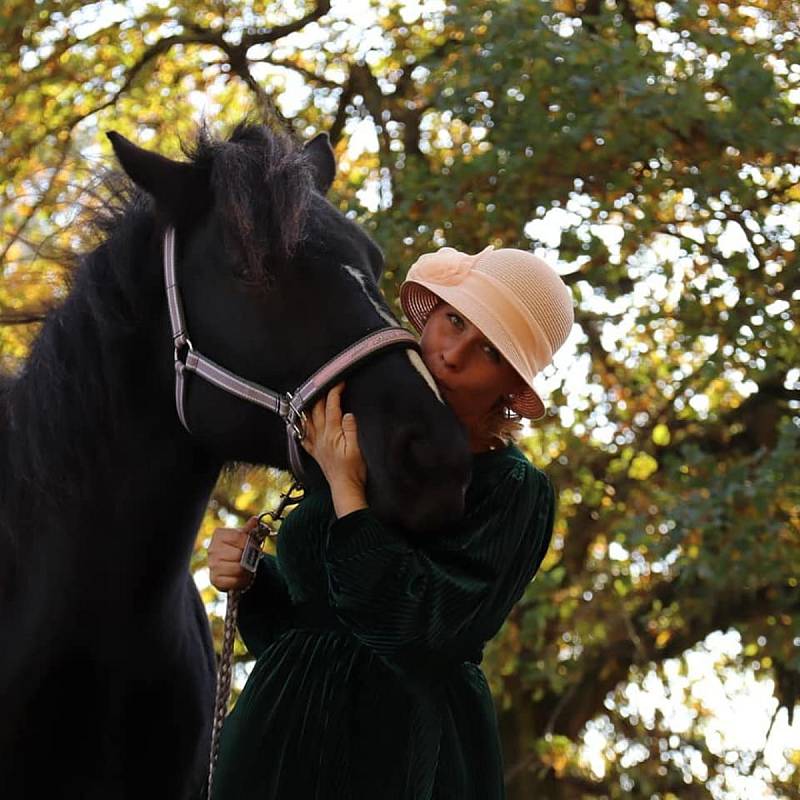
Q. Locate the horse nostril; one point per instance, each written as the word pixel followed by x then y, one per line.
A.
pixel 421 454
pixel 413 451
pixel 432 478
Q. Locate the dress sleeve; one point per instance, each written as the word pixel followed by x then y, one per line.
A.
pixel 423 604
pixel 265 607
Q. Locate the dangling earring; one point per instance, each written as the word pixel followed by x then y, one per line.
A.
pixel 508 412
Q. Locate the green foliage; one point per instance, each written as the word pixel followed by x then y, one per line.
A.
pixel 651 147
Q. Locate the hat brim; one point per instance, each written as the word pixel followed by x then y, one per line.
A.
pixel 417 302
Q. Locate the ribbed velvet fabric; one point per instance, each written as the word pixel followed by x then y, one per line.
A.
pixel 367 683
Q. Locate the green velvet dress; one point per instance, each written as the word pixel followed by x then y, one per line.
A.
pixel 367 682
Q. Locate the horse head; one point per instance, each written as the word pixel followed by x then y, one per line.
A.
pixel 275 281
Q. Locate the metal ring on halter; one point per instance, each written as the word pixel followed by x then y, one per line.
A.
pixel 187 343
pixel 292 417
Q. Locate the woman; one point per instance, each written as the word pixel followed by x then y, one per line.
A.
pixel 367 682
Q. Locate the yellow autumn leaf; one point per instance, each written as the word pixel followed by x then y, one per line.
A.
pixel 661 435
pixel 642 467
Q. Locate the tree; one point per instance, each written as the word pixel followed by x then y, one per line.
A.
pixel 652 149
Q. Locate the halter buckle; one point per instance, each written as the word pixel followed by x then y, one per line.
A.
pixel 293 416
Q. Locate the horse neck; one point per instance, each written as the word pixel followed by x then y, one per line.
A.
pixel 92 437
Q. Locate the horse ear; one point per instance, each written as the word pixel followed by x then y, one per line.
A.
pixel 178 187
pixel 320 154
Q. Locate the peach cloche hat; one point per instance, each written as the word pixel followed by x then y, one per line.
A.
pixel 516 300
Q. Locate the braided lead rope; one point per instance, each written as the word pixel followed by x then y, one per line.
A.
pixel 224 669
pixel 224 672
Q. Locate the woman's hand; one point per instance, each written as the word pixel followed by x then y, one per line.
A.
pixel 224 556
pixel 332 439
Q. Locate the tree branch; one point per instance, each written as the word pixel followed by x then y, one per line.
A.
pixel 266 35
pixel 339 121
pixel 610 665
pixel 22 319
pixel 633 16
pixel 308 74
pixel 240 66
pixel 43 198
pixel 202 36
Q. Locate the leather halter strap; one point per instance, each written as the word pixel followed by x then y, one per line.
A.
pixel 290 406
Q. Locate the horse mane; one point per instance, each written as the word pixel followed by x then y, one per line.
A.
pixel 263 184
pixel 102 312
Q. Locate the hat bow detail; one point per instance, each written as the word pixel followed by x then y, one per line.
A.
pixel 447 266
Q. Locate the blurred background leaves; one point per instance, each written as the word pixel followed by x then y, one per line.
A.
pixel 650 151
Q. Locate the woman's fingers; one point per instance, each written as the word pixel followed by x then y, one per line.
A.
pixel 224 557
pixel 324 417
pixel 228 543
pixel 333 405
pixel 226 540
pixel 349 424
pixel 315 423
pixel 318 413
pixel 229 569
pixel 328 409
pixel 225 583
pixel 330 437
pixel 227 554
pixel 310 430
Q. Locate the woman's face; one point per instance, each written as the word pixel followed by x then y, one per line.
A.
pixel 470 372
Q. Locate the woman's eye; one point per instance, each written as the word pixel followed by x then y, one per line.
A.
pixel 493 354
pixel 456 320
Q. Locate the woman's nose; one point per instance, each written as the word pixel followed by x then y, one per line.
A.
pixel 454 355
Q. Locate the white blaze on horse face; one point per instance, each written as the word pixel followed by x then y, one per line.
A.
pixel 419 365
pixel 413 355
pixel 359 278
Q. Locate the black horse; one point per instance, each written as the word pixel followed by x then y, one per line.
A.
pixel 106 662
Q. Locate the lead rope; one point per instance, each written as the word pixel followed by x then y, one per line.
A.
pixel 224 671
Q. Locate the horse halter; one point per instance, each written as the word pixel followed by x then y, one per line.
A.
pixel 290 406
